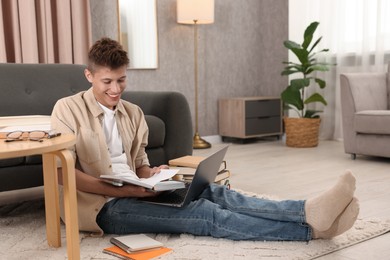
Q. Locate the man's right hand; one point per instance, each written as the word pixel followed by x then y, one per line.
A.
pixel 129 190
pixel 87 183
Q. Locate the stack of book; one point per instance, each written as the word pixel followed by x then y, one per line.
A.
pixel 136 247
pixel 187 166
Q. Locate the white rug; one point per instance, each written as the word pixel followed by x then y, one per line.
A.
pixel 23 236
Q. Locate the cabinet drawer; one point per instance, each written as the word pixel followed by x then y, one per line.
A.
pixel 260 108
pixel 263 125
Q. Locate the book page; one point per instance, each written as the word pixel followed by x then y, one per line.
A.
pixel 149 183
pixel 165 174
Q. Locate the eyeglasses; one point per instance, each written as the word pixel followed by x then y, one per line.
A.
pixel 31 135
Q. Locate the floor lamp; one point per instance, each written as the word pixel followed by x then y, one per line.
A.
pixel 196 12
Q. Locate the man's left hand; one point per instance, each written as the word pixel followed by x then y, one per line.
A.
pixel 146 171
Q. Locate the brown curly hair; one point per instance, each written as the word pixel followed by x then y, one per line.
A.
pixel 107 53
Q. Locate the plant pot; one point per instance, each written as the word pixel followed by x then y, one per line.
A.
pixel 301 132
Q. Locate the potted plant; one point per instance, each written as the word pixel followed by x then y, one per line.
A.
pixel 302 131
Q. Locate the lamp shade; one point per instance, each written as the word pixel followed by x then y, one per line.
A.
pixel 201 11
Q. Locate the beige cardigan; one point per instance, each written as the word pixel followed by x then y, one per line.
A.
pixel 81 114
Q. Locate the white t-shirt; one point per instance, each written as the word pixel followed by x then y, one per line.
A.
pixel 114 143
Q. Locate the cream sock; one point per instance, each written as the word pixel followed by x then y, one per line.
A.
pixel 322 210
pixel 342 223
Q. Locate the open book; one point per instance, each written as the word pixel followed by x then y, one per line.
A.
pixel 158 182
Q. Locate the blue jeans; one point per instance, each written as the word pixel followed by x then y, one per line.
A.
pixel 218 212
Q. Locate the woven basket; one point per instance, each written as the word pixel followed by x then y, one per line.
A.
pixel 301 132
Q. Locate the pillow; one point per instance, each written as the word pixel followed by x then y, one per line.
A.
pixel 156 131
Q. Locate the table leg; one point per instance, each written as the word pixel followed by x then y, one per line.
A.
pixel 52 209
pixel 70 204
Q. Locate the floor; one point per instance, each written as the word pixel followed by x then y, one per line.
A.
pixel 270 167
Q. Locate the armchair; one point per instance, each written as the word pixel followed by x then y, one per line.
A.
pixel 365 107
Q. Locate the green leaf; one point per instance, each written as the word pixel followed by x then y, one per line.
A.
pixel 291 69
pixel 291 45
pixel 316 97
pixel 315 44
pixel 308 35
pixel 319 67
pixel 320 82
pixel 302 55
pixel 312 113
pixel 292 97
pixel 298 84
pixel 288 72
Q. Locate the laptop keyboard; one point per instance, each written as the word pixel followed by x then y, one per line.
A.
pixel 175 196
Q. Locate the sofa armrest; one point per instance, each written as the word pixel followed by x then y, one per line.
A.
pixel 173 109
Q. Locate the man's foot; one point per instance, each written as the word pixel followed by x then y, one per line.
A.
pixel 342 223
pixel 322 210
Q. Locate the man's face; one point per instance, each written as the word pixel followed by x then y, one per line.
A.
pixel 107 84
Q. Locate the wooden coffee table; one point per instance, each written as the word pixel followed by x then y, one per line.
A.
pixel 50 149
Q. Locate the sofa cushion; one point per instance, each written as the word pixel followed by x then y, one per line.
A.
pixel 11 162
pixel 34 159
pixel 156 131
pixel 372 122
pixel 33 89
pixel 20 177
pixel 27 160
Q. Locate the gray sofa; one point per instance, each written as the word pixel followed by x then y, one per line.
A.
pixel 365 105
pixel 33 89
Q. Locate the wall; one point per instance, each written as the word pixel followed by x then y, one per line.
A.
pixel 240 54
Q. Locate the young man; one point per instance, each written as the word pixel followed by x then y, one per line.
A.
pixel 111 138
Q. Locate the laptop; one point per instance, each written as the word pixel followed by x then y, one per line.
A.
pixel 205 174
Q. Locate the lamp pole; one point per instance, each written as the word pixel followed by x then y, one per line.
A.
pixel 196 12
pixel 198 142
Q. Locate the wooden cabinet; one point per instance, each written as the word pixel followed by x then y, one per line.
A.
pixel 250 117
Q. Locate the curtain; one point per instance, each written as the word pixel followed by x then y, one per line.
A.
pixel 357 34
pixel 45 31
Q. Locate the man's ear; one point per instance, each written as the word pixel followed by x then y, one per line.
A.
pixel 88 75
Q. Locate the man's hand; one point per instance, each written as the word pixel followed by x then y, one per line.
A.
pixel 129 190
pixel 146 172
pixel 88 183
pixel 155 170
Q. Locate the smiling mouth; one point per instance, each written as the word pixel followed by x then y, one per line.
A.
pixel 113 95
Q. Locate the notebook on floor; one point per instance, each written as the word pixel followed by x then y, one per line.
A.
pixel 205 174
